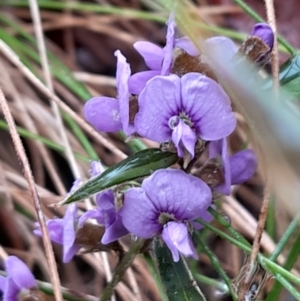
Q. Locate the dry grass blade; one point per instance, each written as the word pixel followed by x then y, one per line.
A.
pixel 13 58
pixel 30 180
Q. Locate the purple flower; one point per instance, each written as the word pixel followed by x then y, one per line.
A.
pixel 63 231
pixel 184 110
pixel 237 168
pixel 107 215
pixel 112 114
pixel 18 277
pixel 159 60
pixel 167 200
pixel 265 32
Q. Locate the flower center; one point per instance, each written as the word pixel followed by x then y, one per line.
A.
pixel 174 120
pixel 165 217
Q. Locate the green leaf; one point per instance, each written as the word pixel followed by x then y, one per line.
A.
pixel 175 276
pixel 138 165
pixel 289 77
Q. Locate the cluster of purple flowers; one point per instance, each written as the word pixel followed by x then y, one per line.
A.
pixel 177 102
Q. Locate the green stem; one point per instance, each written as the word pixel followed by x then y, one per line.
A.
pixel 227 225
pixel 213 282
pixel 215 263
pixel 290 261
pixel 258 18
pixel 271 220
pixel 265 262
pixel 121 268
pixel 288 287
pixel 285 238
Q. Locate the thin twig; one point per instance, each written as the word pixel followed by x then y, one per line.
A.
pixel 275 58
pixel 30 180
pixel 13 58
pixel 47 75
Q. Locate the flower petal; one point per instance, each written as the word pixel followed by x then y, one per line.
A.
pixel 105 203
pixel 265 32
pixel 177 235
pixel 208 106
pixel 96 168
pixel 151 53
pixel 175 192
pixel 184 137
pixel 220 47
pixel 138 81
pixel 114 231
pixel 2 283
pixel 168 49
pixel 103 114
pixel 55 228
pixel 187 45
pixel 206 216
pixel 123 74
pixel 11 290
pixel 69 234
pixel 158 102
pixel 19 272
pixel 243 166
pixel 139 215
pixel 92 214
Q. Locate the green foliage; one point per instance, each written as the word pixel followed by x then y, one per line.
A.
pixel 138 165
pixel 175 276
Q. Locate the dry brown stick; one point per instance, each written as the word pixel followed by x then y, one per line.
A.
pixel 33 191
pixel 13 58
pixel 47 75
pixel 275 58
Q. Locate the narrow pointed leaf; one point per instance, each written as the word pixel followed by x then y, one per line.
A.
pixel 176 278
pixel 138 165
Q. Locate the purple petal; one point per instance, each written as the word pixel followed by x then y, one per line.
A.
pixel 206 216
pixel 96 168
pixel 11 290
pixel 138 81
pixel 92 214
pixel 114 231
pixel 184 137
pixel 187 45
pixel 208 106
pixel 168 49
pixel 221 47
pixel 69 233
pixel 176 235
pixel 159 101
pixel 139 215
pixel 55 228
pixel 243 166
pixel 123 74
pixel 103 114
pixel 219 148
pixel 175 192
pixel 265 32
pixel 151 53
pixel 19 272
pixel 105 203
pixel 2 283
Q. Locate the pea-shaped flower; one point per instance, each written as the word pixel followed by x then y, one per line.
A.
pixel 164 204
pixel 184 110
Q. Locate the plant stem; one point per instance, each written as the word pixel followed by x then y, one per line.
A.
pixel 285 238
pixel 215 263
pixel 121 269
pixel 265 262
